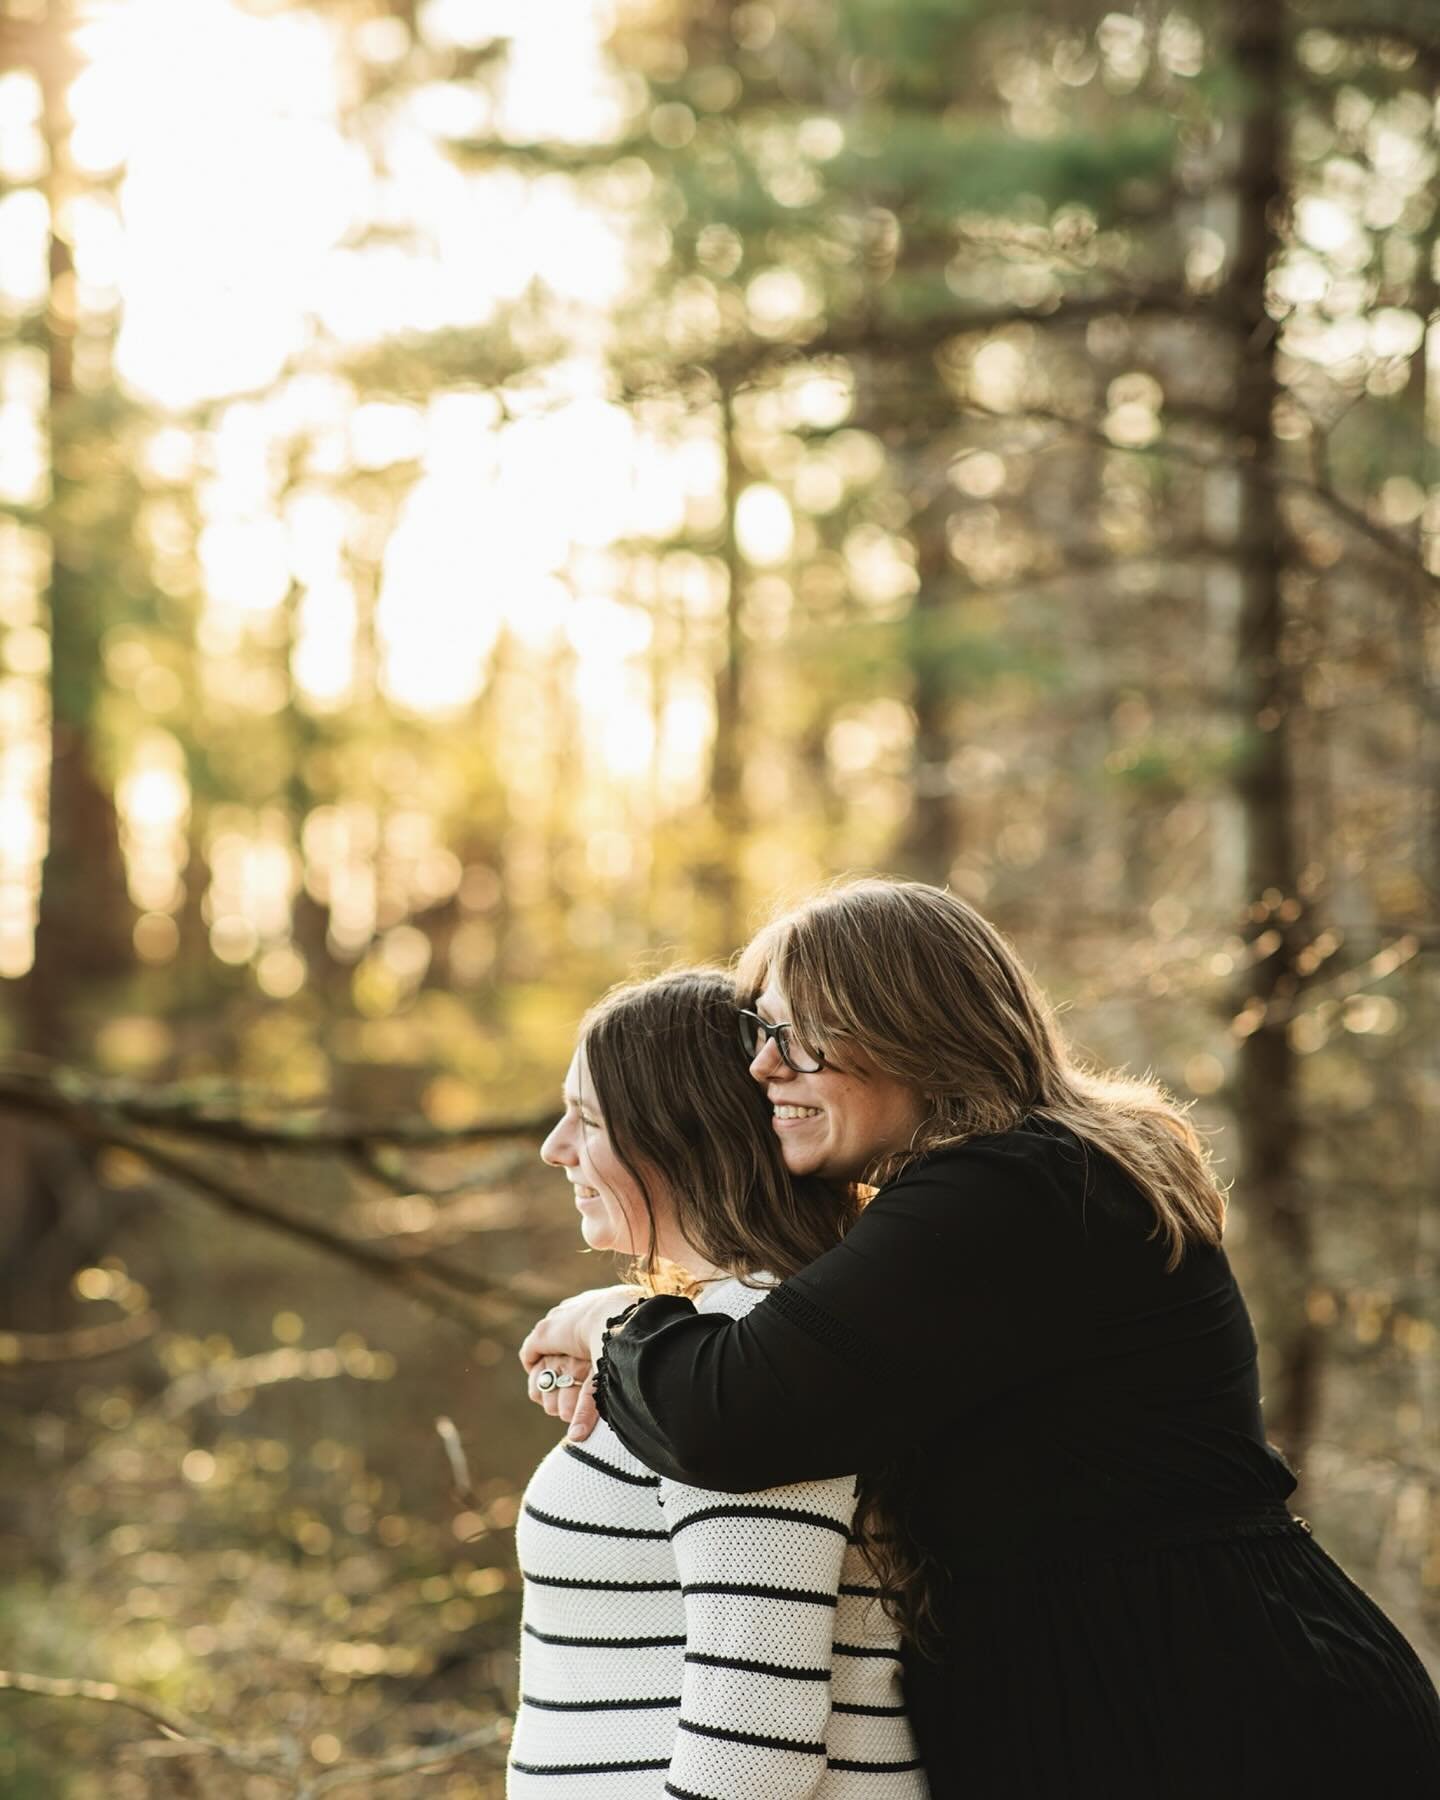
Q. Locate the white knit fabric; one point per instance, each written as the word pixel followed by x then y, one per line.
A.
pixel 700 1645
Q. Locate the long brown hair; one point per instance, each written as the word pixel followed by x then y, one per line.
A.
pixel 907 980
pixel 679 1104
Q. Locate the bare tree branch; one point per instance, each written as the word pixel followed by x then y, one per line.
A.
pixel 1091 431
pixel 30 1084
pixel 107 1115
pixel 449 1292
pixel 267 1369
pixel 254 1757
pixel 406 1762
pixel 895 337
pixel 468 1299
pixel 83 1344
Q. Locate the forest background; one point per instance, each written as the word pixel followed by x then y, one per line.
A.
pixel 496 493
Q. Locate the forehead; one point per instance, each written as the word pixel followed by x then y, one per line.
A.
pixel 577 1075
pixel 771 1001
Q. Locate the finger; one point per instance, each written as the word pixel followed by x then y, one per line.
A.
pixel 544 1396
pixel 552 1397
pixel 551 1338
pixel 547 1337
pixel 571 1397
pixel 585 1417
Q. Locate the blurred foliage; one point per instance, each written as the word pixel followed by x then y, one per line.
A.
pixel 845 475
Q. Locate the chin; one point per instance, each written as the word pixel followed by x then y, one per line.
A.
pixel 801 1162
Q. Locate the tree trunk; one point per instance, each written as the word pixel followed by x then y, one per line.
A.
pixel 1267 1100
pixel 931 839
pixel 83 933
pixel 53 1221
pixel 720 877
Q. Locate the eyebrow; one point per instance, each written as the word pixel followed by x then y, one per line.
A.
pixel 574 1100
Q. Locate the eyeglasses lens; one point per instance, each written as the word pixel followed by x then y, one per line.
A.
pixel 800 1058
pixel 755 1031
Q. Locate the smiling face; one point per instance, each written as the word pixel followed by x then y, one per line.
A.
pixel 607 1196
pixel 834 1123
pixel 612 1208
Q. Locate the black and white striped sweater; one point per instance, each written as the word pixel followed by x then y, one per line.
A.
pixel 700 1645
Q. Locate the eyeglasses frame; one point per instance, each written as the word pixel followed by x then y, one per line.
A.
pixel 773 1033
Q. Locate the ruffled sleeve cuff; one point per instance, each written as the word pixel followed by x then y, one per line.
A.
pixel 653 1311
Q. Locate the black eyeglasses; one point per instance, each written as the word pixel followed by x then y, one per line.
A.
pixel 797 1056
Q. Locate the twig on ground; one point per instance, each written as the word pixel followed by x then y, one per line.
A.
pixel 280 1758
pixel 455 1454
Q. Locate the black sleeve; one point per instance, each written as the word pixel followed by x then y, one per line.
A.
pixel 959 1282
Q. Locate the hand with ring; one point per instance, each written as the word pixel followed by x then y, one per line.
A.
pixel 548 1378
pixel 564 1346
pixel 557 1383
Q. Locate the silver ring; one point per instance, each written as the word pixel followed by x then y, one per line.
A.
pixel 551 1378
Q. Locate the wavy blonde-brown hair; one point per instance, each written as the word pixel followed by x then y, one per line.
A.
pixel 907 980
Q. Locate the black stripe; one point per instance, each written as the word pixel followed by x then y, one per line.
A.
pixel 758 1512
pixel 684 1793
pixel 610 1531
pixel 756 1668
pixel 753 1738
pixel 800 1595
pixel 594 1462
pixel 869 1768
pixel 585 1643
pixel 588 1768
pixel 863 1650
pixel 855 1588
pixel 869 1712
pixel 605 1587
pixel 598 1705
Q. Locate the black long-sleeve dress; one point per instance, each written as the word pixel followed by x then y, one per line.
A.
pixel 1128 1608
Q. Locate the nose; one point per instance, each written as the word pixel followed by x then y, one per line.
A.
pixel 767 1063
pixel 557 1150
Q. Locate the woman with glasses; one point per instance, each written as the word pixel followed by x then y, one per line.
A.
pixel 677 1641
pixel 1032 1346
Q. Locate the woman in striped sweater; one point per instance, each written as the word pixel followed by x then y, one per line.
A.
pixel 679 1642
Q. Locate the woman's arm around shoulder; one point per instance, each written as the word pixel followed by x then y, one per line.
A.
pixel 960 1281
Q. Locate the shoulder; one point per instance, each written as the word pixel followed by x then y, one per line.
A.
pixel 1005 1185
pixel 733 1296
pixel 1036 1156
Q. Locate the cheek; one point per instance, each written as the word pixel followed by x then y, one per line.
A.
pixel 606 1229
pixel 634 1220
pixel 623 1206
